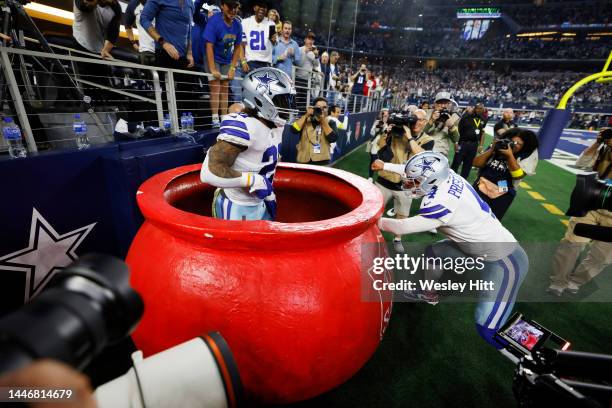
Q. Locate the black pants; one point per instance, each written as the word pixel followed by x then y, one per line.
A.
pixel 465 156
pixel 186 90
pixel 498 205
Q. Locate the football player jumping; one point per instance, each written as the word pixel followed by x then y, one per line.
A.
pixel 453 207
pixel 242 162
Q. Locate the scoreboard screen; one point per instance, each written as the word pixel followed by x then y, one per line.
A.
pixel 478 12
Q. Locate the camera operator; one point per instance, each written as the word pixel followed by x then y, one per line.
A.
pixel 505 123
pixel 471 138
pixel 502 167
pixel 441 125
pixel 403 138
pixel 379 128
pixel 317 133
pixel 51 374
pixel 597 157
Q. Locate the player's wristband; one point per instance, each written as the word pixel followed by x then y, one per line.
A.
pixel 517 173
pixel 207 176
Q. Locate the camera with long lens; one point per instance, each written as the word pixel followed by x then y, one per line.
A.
pixel 84 308
pixel 90 305
pixel 548 374
pixel 503 144
pixel 591 193
pixel 397 121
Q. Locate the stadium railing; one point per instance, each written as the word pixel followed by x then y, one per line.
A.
pixel 45 97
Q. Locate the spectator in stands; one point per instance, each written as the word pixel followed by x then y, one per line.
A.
pixel 257 38
pixel 502 167
pixel 325 70
pixel 359 80
pixel 471 139
pixel 334 77
pixel 425 106
pixel 442 124
pixel 286 52
pixel 378 128
pixel 305 70
pixel 203 11
pixel 223 37
pixel 145 46
pixel 275 18
pixel 95 27
pixel 566 276
pixel 505 123
pixel 396 148
pixel 317 133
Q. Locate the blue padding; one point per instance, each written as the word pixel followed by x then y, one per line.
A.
pixel 550 132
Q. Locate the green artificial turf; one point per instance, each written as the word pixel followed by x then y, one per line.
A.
pixel 431 356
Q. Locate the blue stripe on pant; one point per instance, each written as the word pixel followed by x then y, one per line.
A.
pixel 225 209
pixel 507 274
pixel 510 272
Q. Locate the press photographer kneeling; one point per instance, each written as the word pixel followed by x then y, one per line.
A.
pixel 404 138
pixel 503 166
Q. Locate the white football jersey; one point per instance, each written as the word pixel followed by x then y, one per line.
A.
pixel 467 219
pixel 261 155
pixel 256 39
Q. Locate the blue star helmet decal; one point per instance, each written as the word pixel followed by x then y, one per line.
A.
pixel 425 165
pixel 266 80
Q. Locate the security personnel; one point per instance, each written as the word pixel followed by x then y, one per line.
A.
pixel 398 149
pixel 442 128
pixel 317 133
pixel 471 139
pixel 564 277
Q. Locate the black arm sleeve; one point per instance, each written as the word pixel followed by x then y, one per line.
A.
pixel 333 136
pixel 129 19
pixel 385 154
pixel 112 31
pixel 80 4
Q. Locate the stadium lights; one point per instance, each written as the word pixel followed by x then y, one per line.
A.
pixel 569 34
pixel 537 34
pixel 56 15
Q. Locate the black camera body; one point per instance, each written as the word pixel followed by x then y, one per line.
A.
pixel 317 111
pixel 445 115
pixel 397 121
pixel 503 144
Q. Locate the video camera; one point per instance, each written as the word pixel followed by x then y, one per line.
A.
pixel 589 194
pixel 547 374
pixel 397 121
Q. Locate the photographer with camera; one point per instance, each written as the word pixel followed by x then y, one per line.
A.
pixel 565 275
pixel 503 165
pixel 442 123
pixel 379 128
pixel 402 139
pixel 504 124
pixel 317 133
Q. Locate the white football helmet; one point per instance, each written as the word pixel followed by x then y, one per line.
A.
pixel 423 172
pixel 271 93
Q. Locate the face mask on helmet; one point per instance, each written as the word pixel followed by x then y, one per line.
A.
pixel 423 173
pixel 269 92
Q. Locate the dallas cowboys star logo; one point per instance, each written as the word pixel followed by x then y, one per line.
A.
pixel 426 165
pixel 47 253
pixel 266 80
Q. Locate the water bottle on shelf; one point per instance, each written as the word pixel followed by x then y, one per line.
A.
pixel 184 123
pixel 80 132
pixel 191 122
pixel 12 136
pixel 167 123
